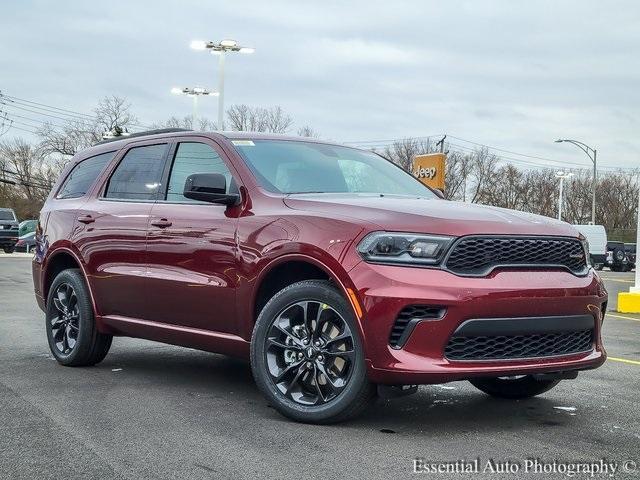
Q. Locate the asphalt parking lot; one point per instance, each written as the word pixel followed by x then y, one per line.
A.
pixel 156 411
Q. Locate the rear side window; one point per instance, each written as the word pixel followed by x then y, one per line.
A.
pixel 83 175
pixel 190 158
pixel 138 176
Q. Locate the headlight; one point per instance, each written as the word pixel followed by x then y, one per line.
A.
pixel 585 245
pixel 404 248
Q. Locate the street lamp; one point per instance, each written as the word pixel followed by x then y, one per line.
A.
pixel 592 154
pixel 220 49
pixel 194 92
pixel 561 175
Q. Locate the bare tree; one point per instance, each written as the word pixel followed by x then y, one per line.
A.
pixel 186 122
pixel 308 132
pixel 456 175
pixel 402 152
pixel 483 165
pixel 112 113
pixel 258 119
pixel 26 166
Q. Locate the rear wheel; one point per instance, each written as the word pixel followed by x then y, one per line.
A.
pixel 307 356
pixel 524 386
pixel 71 330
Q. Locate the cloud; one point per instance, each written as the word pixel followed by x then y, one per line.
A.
pixel 511 74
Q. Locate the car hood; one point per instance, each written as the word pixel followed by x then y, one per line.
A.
pixel 421 215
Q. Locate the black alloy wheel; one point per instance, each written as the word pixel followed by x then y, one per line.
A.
pixel 74 339
pixel 65 320
pixel 307 355
pixel 309 352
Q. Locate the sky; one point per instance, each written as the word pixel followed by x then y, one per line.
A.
pixel 514 74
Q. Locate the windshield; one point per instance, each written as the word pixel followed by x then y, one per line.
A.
pixel 6 215
pixel 305 167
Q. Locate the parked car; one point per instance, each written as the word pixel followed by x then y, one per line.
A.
pixel 26 243
pixel 596 236
pixel 336 273
pixel 27 226
pixel 8 230
pixel 630 248
pixel 617 258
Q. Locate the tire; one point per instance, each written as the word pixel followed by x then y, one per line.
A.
pixel 89 346
pixel 598 266
pixel 302 366
pixel 523 387
pixel 32 249
pixel 616 268
pixel 9 249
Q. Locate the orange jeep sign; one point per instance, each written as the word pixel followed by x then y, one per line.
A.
pixel 429 169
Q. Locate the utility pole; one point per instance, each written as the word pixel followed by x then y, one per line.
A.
pixel 592 154
pixel 220 49
pixel 194 92
pixel 561 175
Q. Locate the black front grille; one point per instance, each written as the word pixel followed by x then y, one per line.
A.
pixel 503 347
pixel 403 323
pixel 478 256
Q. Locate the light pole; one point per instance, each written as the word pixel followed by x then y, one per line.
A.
pixel 194 92
pixel 561 175
pixel 592 154
pixel 220 49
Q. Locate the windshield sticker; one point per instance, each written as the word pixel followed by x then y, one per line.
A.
pixel 243 143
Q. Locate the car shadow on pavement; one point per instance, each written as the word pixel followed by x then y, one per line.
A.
pixel 434 409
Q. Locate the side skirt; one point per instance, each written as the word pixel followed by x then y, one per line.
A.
pixel 216 342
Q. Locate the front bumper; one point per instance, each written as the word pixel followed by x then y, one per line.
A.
pixel 385 290
pixel 8 240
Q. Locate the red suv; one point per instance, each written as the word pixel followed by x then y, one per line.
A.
pixel 337 273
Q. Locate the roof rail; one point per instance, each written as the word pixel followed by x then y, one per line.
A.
pixel 143 134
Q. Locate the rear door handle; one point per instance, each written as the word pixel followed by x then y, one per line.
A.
pixel 162 223
pixel 86 219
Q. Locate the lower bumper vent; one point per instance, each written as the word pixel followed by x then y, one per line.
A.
pixel 503 347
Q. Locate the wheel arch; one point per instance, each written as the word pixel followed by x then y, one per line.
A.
pixel 292 268
pixel 62 258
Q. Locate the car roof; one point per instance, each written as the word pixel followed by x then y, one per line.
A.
pixel 117 143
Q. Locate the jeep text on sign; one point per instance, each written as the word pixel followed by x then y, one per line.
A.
pixel 429 169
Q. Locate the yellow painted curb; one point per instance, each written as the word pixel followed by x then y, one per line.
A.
pixel 628 302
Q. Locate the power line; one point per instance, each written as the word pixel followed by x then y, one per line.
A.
pixel 391 141
pixel 51 111
pixel 371 144
pixel 47 107
pixel 514 153
pixel 24 130
pixel 37 112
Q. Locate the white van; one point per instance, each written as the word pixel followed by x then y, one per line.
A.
pixel 597 237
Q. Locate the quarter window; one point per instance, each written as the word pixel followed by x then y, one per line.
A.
pixel 138 176
pixel 83 175
pixel 190 158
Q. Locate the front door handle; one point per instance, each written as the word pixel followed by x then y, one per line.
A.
pixel 162 223
pixel 86 219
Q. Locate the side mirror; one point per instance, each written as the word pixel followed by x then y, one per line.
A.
pixel 439 193
pixel 209 187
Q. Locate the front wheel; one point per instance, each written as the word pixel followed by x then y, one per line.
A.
pixel 524 386
pixel 73 337
pixel 307 356
pixel 9 249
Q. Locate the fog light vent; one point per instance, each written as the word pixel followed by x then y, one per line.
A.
pixel 408 318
